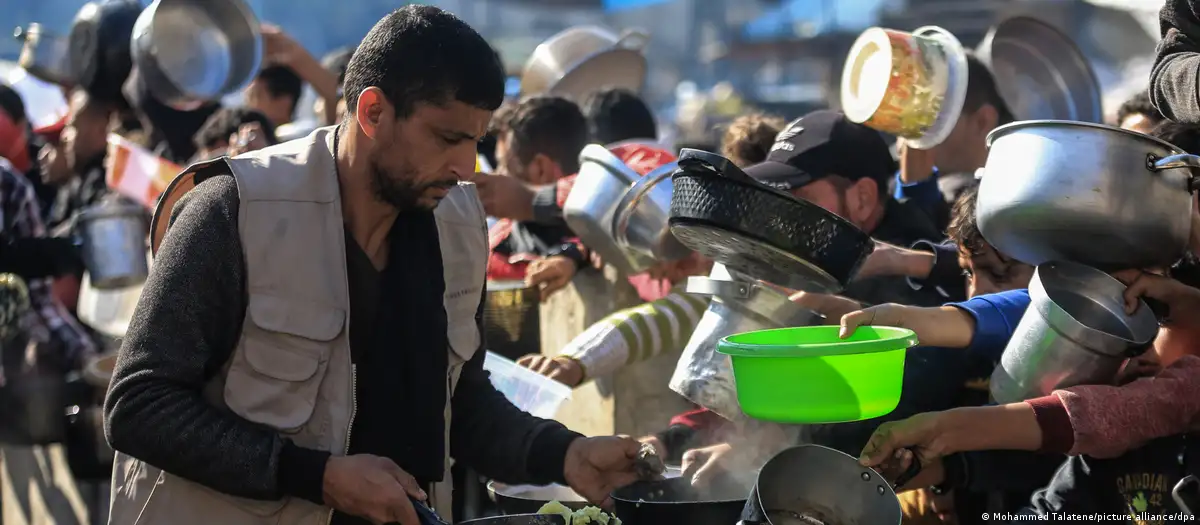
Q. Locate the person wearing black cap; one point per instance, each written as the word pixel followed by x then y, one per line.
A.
pixel 845 168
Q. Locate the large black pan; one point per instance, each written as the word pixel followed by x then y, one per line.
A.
pixel 519 519
pixel 674 500
pixel 528 499
pixel 723 213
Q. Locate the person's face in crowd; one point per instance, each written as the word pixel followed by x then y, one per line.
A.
pixel 53 162
pixel 86 133
pixel 965 149
pixel 415 161
pixel 855 201
pixel 1137 122
pixel 988 271
pixel 277 109
pixel 538 171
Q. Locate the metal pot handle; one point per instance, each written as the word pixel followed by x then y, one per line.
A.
pixel 1182 160
pixel 633 39
pixel 732 289
pixel 1187 495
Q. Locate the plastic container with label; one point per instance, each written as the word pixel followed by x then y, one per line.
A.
pixel 528 390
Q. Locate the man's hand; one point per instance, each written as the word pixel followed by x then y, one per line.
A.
pixel 705 464
pixel 563 369
pixel 278 47
pixel 505 197
pixel 894 446
pixel 891 260
pixel 371 487
pixel 652 440
pixel 249 137
pixel 550 274
pixel 916 165
pixel 596 466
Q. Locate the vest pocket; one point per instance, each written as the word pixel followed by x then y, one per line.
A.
pixel 277 370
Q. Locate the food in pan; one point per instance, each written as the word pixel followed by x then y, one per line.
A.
pixel 584 516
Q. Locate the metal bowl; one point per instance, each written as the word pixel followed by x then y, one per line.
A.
pixel 1040 72
pixel 527 499
pixel 592 204
pixel 196 50
pixel 582 59
pixel 641 223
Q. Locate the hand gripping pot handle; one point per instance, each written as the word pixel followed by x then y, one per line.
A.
pixel 1183 160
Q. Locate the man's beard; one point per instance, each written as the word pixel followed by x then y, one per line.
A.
pixel 400 191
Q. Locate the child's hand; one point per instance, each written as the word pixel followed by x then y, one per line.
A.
pixel 1183 301
pixel 944 326
pixel 889 314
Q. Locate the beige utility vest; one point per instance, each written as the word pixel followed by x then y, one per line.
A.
pixel 291 370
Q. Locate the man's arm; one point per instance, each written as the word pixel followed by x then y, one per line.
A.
pixel 1173 82
pixel 497 439
pixel 186 324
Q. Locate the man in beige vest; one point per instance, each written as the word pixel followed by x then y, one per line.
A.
pixel 307 348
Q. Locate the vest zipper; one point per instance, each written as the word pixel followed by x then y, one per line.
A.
pixel 353 414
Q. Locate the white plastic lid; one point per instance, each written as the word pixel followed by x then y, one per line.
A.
pixel 956 88
pixel 866 75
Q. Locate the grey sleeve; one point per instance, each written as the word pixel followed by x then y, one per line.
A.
pixel 185 327
pixel 1175 80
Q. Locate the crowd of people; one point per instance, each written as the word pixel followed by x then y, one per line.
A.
pixel 242 392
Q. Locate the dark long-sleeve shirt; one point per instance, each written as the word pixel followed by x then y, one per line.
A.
pixel 185 328
pixel 1175 80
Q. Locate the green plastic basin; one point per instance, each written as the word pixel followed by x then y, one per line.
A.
pixel 810 375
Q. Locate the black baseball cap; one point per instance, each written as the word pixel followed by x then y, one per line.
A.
pixel 820 144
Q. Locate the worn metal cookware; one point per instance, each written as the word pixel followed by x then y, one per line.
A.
pixel 189 52
pixel 583 59
pixel 1040 72
pixel 641 222
pixel 114 245
pixel 816 485
pixel 44 55
pixel 705 376
pixel 527 499
pixel 1086 193
pixel 723 213
pixel 1075 332
pixel 100 37
pixel 1187 495
pixel 519 519
pixel 511 319
pixel 592 205
pixel 677 501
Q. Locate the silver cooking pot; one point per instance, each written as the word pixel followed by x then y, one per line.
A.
pixel 114 245
pixel 592 205
pixel 582 59
pixel 640 224
pixel 705 376
pixel 190 52
pixel 1087 193
pixel 44 55
pixel 1075 332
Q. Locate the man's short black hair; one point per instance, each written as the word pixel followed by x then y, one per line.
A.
pixel 616 114
pixel 1139 104
pixel 549 125
pixel 981 89
pixel 226 121
pixel 282 81
pixel 337 61
pixel 422 54
pixel 1184 136
pixel 12 104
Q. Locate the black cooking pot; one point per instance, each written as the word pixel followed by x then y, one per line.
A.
pixel 675 500
pixel 528 499
pixel 723 213
pixel 519 519
pixel 99 46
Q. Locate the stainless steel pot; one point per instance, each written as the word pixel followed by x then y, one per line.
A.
pixel 1087 193
pixel 641 225
pixel 190 52
pixel 1075 332
pixel 583 59
pixel 45 55
pixel 511 319
pixel 592 204
pixel 705 376
pixel 114 245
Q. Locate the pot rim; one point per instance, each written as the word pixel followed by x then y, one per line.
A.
pixel 1037 286
pixel 1022 124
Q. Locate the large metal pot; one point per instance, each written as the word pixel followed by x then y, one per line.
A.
pixel 100 37
pixel 1086 193
pixel 705 376
pixel 1075 332
pixel 511 319
pixel 44 55
pixel 583 59
pixel 677 501
pixel 641 222
pixel 592 204
pixel 114 245
pixel 190 52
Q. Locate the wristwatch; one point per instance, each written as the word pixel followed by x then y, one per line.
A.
pixel 571 251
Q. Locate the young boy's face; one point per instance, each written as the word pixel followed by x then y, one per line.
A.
pixel 989 272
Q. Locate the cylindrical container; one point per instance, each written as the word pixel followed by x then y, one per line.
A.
pixel 511 319
pixel 911 85
pixel 114 245
pixel 1075 332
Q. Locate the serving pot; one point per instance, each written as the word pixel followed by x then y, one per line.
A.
pixel 114 245
pixel 511 319
pixel 44 55
pixel 641 222
pixel 190 52
pixel 675 500
pixel 1087 193
pixel 1075 332
pixel 583 59
pixel 100 37
pixel 591 206
pixel 528 499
